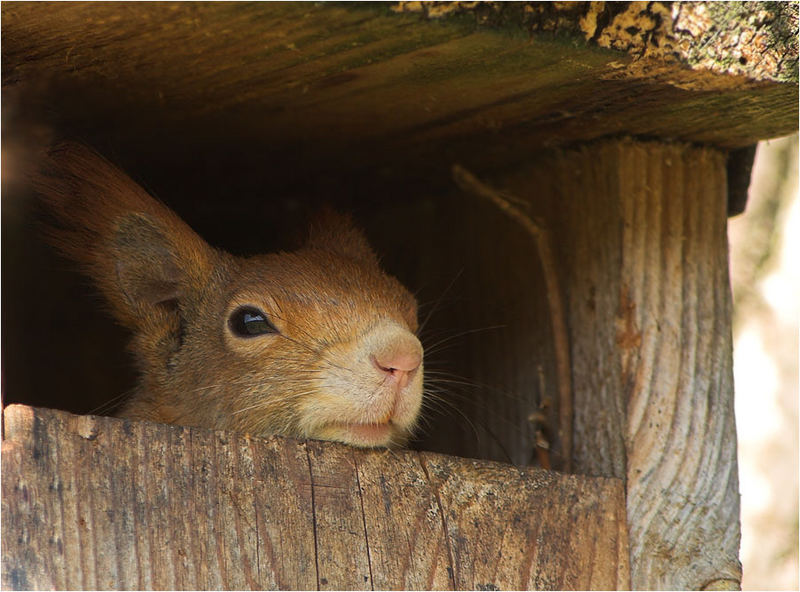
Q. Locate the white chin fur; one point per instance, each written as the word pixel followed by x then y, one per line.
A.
pixel 361 404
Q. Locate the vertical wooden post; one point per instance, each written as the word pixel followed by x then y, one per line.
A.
pixel 641 236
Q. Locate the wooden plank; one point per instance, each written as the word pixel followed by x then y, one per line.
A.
pixel 492 554
pixel 411 553
pixel 282 500
pixel 339 529
pixel 329 76
pixel 93 502
pixel 646 267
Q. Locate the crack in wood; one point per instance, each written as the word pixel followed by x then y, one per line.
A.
pixel 313 515
pixel 363 520
pixel 257 529
pixel 451 570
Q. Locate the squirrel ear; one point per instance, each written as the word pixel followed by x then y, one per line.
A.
pixel 148 265
pixel 337 233
pixel 140 253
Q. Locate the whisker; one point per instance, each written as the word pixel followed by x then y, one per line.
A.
pixel 439 301
pixel 267 402
pixel 110 404
pixel 433 346
pixel 464 416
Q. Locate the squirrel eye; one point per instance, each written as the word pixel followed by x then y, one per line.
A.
pixel 248 321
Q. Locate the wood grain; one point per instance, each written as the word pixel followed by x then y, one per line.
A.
pixel 92 502
pixel 681 434
pixel 644 255
pixel 329 76
pixel 490 553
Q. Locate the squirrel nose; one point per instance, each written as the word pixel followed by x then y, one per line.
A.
pixel 400 359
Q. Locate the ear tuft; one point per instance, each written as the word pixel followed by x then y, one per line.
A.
pixel 337 233
pixel 140 254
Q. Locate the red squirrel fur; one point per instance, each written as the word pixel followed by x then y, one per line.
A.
pixel 315 343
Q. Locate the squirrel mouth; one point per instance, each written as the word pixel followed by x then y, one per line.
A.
pixel 366 434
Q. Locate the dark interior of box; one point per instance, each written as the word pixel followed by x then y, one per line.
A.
pixel 475 273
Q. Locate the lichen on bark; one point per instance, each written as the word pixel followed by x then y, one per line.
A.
pixel 757 40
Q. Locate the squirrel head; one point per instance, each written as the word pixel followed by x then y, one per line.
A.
pixel 315 343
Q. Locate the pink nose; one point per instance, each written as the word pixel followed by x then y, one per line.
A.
pixel 400 362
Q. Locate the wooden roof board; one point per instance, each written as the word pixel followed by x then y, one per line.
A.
pixel 373 79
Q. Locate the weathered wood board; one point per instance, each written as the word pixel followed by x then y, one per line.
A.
pixel 392 82
pixel 94 502
pixel 646 268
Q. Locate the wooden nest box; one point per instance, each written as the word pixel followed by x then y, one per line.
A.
pixel 553 180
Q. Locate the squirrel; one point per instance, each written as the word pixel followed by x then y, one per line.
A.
pixel 316 343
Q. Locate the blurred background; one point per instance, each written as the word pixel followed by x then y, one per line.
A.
pixel 765 247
